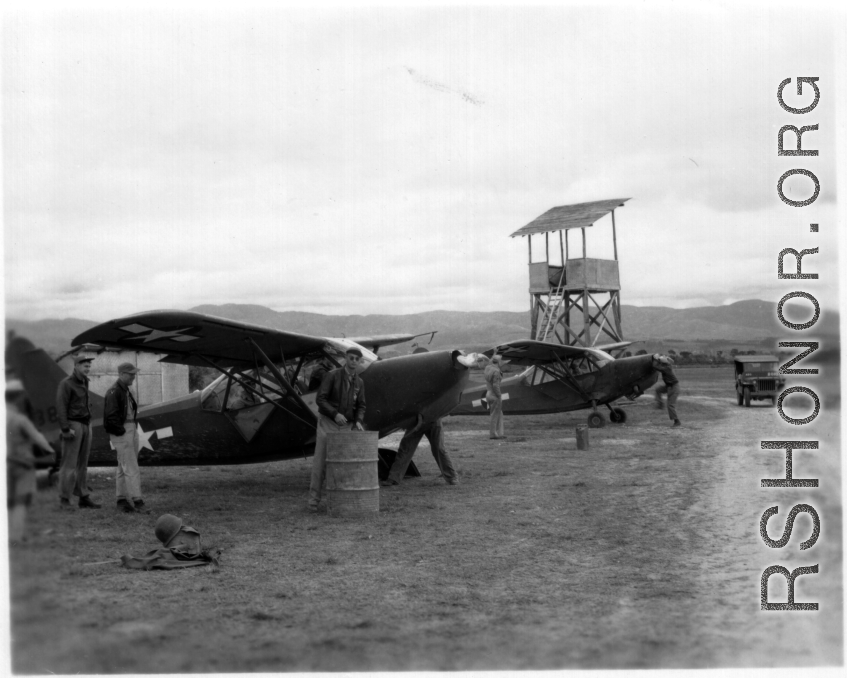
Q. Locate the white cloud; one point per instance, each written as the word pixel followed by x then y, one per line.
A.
pixel 377 160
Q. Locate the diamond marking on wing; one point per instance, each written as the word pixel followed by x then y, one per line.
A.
pixel 135 328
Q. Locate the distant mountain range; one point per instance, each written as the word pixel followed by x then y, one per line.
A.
pixel 744 324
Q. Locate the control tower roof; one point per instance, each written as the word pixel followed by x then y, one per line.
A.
pixel 581 215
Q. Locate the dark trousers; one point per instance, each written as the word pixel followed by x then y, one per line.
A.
pixel 434 432
pixel 673 394
pixel 73 474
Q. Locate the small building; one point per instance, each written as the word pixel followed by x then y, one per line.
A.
pixel 154 383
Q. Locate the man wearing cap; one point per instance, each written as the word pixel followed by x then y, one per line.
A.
pixel 494 397
pixel 120 415
pixel 341 406
pixel 664 366
pixel 74 414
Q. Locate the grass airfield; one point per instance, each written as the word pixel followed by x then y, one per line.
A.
pixel 641 552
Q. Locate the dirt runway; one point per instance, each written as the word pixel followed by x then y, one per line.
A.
pixel 643 551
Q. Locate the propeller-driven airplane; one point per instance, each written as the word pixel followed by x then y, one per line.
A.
pixel 562 378
pixel 260 408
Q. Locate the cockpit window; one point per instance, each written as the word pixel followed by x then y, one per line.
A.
pixel 592 360
pixel 599 357
pixel 308 378
pixel 338 347
pixel 239 397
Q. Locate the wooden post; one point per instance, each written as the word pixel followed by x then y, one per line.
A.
pixel 583 243
pixel 616 307
pixel 614 236
pixel 529 242
pixel 547 246
pixel 533 317
pixel 586 322
pixel 566 246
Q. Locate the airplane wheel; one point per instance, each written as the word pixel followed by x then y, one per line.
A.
pixel 617 415
pixel 746 397
pixel 596 420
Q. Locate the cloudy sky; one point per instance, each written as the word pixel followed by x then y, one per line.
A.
pixel 376 160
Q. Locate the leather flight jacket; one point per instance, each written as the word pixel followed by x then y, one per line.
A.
pixel 72 402
pixel 118 400
pixel 336 395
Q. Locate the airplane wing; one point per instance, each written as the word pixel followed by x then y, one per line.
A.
pixel 529 352
pixel 613 347
pixel 185 337
pixel 374 342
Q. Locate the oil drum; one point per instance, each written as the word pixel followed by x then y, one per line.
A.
pixel 352 477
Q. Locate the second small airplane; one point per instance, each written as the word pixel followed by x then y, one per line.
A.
pixel 565 378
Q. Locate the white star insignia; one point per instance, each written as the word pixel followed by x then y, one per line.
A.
pixel 160 334
pixel 154 334
pixel 144 438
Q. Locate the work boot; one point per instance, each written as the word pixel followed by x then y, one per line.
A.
pixel 140 506
pixel 660 405
pixel 86 502
pixel 388 482
pixel 676 423
pixel 125 506
pixel 311 507
pixel 65 503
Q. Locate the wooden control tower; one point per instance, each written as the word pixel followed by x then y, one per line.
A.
pixel 575 302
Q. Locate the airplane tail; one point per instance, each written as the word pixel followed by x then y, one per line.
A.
pixel 41 375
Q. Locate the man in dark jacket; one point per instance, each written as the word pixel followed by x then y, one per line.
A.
pixel 341 405
pixel 120 416
pixel 74 413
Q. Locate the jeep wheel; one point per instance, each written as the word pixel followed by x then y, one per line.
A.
pixel 746 396
pixel 739 397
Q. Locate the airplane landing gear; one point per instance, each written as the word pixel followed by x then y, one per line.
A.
pixel 596 420
pixel 617 415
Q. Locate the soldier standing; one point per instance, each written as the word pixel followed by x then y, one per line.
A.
pixel 494 397
pixel 21 440
pixel 120 419
pixel 74 412
pixel 341 406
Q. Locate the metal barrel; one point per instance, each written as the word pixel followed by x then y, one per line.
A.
pixel 352 476
pixel 582 437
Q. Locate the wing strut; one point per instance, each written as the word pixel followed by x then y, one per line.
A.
pixel 574 383
pixel 282 381
pixel 232 377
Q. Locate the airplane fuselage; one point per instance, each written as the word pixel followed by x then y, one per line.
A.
pixel 187 431
pixel 520 396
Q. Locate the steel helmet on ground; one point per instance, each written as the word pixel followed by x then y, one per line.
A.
pixel 167 527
